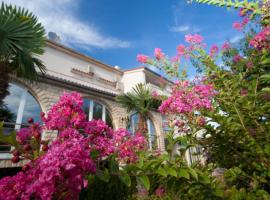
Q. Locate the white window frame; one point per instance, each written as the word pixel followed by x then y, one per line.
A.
pixel 91 110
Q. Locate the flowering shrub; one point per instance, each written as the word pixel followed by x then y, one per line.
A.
pixel 231 104
pixel 66 113
pixel 127 146
pixel 61 170
pixel 60 173
pixel 187 98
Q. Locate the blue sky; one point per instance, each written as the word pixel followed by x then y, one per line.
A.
pixel 115 31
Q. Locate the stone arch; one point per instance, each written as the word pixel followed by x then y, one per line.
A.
pixel 157 122
pixel 103 102
pixel 32 89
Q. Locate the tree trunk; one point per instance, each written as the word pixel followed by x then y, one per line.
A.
pixel 142 126
pixel 4 81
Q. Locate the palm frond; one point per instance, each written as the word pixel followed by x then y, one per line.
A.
pixel 139 100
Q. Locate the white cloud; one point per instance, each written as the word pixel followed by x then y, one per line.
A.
pixel 184 29
pixel 236 39
pixel 59 16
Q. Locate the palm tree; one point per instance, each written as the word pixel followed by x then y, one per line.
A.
pixel 141 101
pixel 22 38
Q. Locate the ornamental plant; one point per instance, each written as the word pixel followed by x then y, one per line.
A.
pixel 61 169
pixel 231 111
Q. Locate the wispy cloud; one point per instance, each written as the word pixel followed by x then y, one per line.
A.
pixel 59 16
pixel 184 29
pixel 236 39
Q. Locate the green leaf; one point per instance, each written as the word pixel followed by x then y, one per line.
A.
pixel 94 154
pixel 10 138
pixel 193 173
pixel 204 179
pixel 125 178
pixel 184 173
pixel 171 171
pixel 144 180
pixel 113 165
pixel 265 78
pixel 103 175
pixel 267 90
pixel 161 171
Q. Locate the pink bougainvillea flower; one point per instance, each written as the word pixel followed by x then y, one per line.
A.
pixel 194 38
pixel 237 58
pixel 261 40
pixel 160 191
pixel 238 26
pixel 245 21
pixel 242 12
pixel 189 38
pixel 154 94
pixel 213 50
pixel 66 113
pixel 159 54
pixel 23 135
pixel 142 58
pixel 188 97
pixel 249 64
pixel 226 46
pixel 197 38
pixel 181 49
pixel 175 59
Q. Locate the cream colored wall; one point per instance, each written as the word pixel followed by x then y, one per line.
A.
pixel 132 78
pixel 60 64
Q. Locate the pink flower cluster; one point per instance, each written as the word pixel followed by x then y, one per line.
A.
pixel 127 146
pixel 29 140
pixel 213 51
pixel 197 39
pixel 240 25
pixel 159 54
pixel 100 137
pixel 226 47
pixel 262 39
pixel 61 171
pixel 187 98
pixel 66 113
pixel 142 58
pixel 237 58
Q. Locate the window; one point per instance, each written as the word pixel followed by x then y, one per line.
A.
pixel 133 126
pixel 95 110
pixel 18 106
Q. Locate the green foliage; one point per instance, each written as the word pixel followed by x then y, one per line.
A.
pixel 10 138
pixel 141 101
pixel 248 5
pixel 21 39
pixel 114 189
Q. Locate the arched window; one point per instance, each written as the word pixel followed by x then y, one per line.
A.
pixel 18 106
pixel 96 110
pixel 133 126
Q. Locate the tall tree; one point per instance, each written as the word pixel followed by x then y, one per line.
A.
pixel 22 39
pixel 141 101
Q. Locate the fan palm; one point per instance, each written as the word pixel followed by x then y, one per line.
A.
pixel 141 101
pixel 22 38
